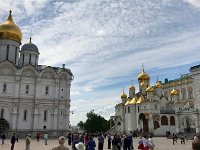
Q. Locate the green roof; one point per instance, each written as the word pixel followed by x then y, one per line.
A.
pixel 194 67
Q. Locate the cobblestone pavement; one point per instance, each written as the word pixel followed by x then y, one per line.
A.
pixel 161 144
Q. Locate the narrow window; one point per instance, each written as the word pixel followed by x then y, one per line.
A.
pixel 4 87
pixel 155 106
pixel 25 115
pixel 125 110
pixel 27 89
pixel 62 89
pixel 2 113
pixel 128 109
pixel 16 55
pixel 47 90
pixel 7 52
pixel 22 59
pixel 138 108
pixel 30 59
pixel 45 115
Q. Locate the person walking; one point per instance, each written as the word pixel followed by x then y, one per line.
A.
pixel 28 141
pixel 109 141
pixel 151 143
pixel 100 142
pixel 196 144
pixel 13 139
pixel 3 137
pixel 127 143
pixel 146 143
pixel 45 138
pixel 69 136
pixel 140 143
pixel 38 136
pixel 61 146
pixel 91 144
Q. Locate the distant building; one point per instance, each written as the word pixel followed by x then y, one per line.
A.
pixel 172 106
pixel 32 97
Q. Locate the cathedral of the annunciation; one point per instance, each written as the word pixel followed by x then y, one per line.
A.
pixel 33 97
pixel 170 106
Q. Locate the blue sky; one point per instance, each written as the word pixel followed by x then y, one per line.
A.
pixel 105 42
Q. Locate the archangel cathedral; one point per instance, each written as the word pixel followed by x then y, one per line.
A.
pixel 170 106
pixel 33 97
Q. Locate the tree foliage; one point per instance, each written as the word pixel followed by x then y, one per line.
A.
pixel 94 123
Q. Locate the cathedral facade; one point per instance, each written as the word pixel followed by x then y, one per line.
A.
pixel 172 106
pixel 33 97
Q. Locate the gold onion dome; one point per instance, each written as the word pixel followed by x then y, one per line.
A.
pixel 143 76
pixel 9 30
pixel 132 88
pixel 143 84
pixel 140 100
pixel 174 92
pixel 157 85
pixel 133 101
pixel 149 89
pixel 123 96
pixel 127 102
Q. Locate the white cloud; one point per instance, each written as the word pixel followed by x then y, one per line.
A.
pixel 195 3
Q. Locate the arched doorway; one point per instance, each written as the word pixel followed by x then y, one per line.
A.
pixel 188 124
pixel 144 119
pixel 4 125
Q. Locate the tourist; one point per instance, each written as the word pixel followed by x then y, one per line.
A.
pixel 45 138
pixel 17 137
pixel 116 142
pixel 122 140
pixel 61 146
pixel 174 138
pixel 100 142
pixel 91 144
pixel 146 143
pixel 69 136
pixel 80 146
pixel 127 143
pixel 38 136
pixel 131 140
pixel 3 137
pixel 109 141
pixel 75 141
pixel 151 143
pixel 13 139
pixel 140 143
pixel 196 145
pixel 182 140
pixel 86 139
pixel 28 141
pixel 195 137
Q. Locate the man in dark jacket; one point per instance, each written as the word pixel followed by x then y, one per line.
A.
pixel 13 139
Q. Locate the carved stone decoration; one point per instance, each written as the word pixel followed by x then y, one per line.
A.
pixel 197 92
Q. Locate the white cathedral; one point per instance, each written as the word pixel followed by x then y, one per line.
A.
pixel 172 106
pixel 33 97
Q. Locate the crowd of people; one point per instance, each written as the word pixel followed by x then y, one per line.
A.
pixel 86 141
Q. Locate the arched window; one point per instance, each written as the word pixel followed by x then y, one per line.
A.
pixel 164 120
pixel 183 93
pixel 2 113
pixel 156 125
pixel 128 109
pixel 45 115
pixel 4 87
pixel 25 115
pixel 47 90
pixel 119 124
pixel 172 121
pixel 27 89
pixel 190 93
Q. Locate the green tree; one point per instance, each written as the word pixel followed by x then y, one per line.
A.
pixel 94 123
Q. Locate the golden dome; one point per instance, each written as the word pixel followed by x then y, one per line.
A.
pixel 174 92
pixel 9 30
pixel 140 100
pixel 143 76
pixel 132 88
pixel 133 101
pixel 149 89
pixel 123 95
pixel 143 84
pixel 127 102
pixel 157 85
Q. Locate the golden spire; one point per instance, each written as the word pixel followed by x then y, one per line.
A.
pixel 123 96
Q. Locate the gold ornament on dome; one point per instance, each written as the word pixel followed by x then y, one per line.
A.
pixel 123 95
pixel 143 76
pixel 9 30
pixel 133 101
pixel 158 85
pixel 140 100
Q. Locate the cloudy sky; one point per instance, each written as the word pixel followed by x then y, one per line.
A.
pixel 105 42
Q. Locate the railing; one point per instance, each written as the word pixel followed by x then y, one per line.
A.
pixel 167 111
pixel 186 110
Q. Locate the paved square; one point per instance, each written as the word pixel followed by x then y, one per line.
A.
pixel 161 144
